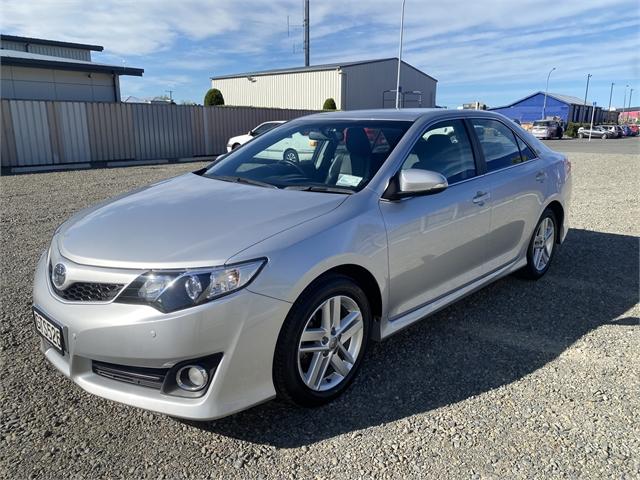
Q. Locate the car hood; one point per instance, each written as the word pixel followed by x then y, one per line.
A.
pixel 188 221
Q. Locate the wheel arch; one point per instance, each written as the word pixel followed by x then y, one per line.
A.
pixel 558 210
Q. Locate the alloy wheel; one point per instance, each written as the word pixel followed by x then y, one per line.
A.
pixel 543 244
pixel 330 343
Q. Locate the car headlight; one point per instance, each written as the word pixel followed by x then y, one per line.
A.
pixel 171 290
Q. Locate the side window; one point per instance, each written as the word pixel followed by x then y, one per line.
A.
pixel 498 143
pixel 525 151
pixel 444 148
pixel 265 127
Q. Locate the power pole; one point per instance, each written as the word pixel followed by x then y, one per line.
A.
pixel 170 92
pixel 610 95
pixel 629 109
pixel 306 33
pixel 398 87
pixel 624 102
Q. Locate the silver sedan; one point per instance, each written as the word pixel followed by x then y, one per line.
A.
pixel 261 276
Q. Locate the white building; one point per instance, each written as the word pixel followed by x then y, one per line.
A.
pixel 353 85
pixel 38 69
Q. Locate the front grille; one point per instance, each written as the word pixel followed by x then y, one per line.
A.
pixel 145 377
pixel 89 292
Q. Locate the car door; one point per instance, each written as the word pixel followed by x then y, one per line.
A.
pixel 437 243
pixel 518 185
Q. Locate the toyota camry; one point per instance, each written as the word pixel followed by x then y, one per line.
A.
pixel 266 275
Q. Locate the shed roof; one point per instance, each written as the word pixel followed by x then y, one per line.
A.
pixel 27 59
pixel 316 68
pixel 56 43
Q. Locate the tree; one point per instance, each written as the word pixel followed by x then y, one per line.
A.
pixel 213 97
pixel 329 104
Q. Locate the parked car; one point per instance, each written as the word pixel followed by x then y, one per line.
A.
pixel 626 131
pixel 615 131
pixel 596 132
pixel 257 277
pixel 544 129
pixel 634 129
pixel 235 142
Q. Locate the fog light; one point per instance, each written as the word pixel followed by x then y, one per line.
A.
pixel 192 378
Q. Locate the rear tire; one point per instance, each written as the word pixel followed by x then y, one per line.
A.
pixel 314 370
pixel 542 247
pixel 235 145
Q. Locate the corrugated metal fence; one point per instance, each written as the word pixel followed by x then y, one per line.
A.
pixel 36 133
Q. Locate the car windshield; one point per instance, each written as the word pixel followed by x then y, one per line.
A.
pixel 325 156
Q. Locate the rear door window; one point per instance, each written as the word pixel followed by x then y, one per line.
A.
pixel 498 143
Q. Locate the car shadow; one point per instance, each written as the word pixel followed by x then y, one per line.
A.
pixel 489 339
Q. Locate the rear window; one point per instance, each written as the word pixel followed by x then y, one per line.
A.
pixel 541 124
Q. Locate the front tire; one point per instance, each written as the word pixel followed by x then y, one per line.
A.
pixel 290 155
pixel 322 342
pixel 542 246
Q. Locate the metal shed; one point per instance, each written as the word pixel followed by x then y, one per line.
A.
pixel 39 69
pixel 353 85
pixel 567 107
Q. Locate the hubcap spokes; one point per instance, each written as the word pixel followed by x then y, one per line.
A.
pixel 330 343
pixel 543 244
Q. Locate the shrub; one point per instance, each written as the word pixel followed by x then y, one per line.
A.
pixel 213 97
pixel 572 128
pixel 329 104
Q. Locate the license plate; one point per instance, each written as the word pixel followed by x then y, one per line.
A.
pixel 51 331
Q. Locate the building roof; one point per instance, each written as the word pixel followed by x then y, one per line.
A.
pixel 27 59
pixel 568 99
pixel 42 41
pixel 627 109
pixel 315 68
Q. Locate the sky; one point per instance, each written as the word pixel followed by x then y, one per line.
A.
pixel 492 51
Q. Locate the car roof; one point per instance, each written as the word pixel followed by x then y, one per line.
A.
pixel 406 114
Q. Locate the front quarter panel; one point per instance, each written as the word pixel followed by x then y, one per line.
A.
pixel 353 234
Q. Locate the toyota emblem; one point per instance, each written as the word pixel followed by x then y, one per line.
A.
pixel 59 275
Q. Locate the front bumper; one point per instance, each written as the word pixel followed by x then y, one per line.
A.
pixel 244 327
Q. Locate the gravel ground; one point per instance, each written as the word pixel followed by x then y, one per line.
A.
pixel 521 380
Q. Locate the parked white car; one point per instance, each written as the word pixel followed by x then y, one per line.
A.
pixel 235 142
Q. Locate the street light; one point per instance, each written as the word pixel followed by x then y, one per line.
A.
pixel 544 105
pixel 400 56
pixel 624 102
pixel 629 109
pixel 585 95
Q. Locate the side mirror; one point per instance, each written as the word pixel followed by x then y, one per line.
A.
pixel 414 182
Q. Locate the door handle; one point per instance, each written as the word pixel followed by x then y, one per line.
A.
pixel 480 198
pixel 541 176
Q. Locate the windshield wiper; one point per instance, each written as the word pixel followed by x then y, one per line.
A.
pixel 320 188
pixel 246 181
